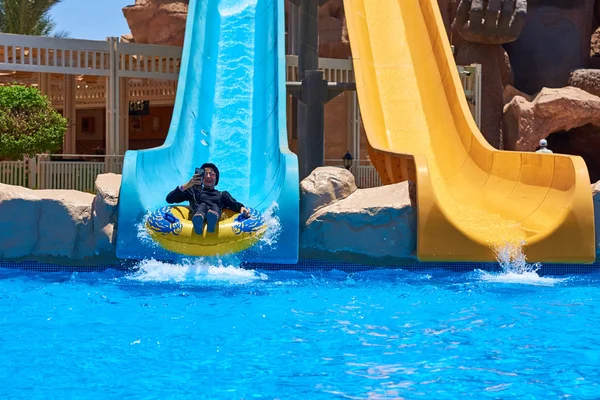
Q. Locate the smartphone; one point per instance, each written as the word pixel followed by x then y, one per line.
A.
pixel 200 172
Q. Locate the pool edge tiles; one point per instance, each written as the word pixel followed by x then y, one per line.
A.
pixel 39 266
pixel 309 265
pixel 318 265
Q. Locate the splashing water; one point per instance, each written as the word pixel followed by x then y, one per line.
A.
pixel 142 232
pixel 516 269
pixel 197 271
pixel 512 259
pixel 271 236
pixel 232 7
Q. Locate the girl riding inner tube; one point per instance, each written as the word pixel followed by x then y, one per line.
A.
pixel 170 227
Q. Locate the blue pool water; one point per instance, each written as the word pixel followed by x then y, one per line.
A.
pixel 175 331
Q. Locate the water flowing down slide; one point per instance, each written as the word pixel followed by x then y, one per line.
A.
pixel 471 198
pixel 229 110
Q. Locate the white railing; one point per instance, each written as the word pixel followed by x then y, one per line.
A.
pixel 54 55
pixel 94 95
pixel 148 61
pixel 365 174
pixel 77 172
pixel 334 69
pixel 88 57
pixel 152 90
pixel 86 95
pixel 14 173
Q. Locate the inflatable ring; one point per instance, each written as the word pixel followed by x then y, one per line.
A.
pixel 171 228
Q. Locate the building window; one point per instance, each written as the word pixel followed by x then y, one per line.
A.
pixel 88 125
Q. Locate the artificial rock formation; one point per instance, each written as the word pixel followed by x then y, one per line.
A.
pixel 556 49
pixel 568 117
pixel 552 110
pixel 59 225
pixel 157 21
pixel 586 79
pixel 324 186
pixel 375 226
pixel 539 46
pixel 105 212
pixel 333 34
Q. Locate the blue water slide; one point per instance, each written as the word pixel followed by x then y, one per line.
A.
pixel 229 110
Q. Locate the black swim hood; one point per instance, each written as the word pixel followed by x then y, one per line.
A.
pixel 214 168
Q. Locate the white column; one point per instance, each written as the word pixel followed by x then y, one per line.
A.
pixel 70 113
pixel 123 133
pixel 43 80
pixel 112 100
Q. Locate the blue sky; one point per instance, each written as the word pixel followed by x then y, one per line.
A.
pixel 87 19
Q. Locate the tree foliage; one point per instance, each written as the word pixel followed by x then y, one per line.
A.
pixel 28 17
pixel 28 123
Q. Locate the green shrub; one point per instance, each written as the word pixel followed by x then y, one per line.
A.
pixel 28 123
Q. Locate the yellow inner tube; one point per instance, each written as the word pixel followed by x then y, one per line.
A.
pixel 232 235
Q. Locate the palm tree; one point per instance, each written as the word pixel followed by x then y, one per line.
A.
pixel 28 17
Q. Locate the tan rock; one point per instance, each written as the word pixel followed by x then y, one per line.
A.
pixel 333 33
pixel 19 213
pixel 127 38
pixel 105 212
pixel 371 225
pixel 552 110
pixel 45 222
pixel 586 79
pixel 324 186
pixel 595 45
pixel 157 21
pixel 61 226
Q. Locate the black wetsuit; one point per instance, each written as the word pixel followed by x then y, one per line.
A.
pixel 203 199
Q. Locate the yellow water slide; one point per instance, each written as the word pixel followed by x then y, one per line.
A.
pixel 471 198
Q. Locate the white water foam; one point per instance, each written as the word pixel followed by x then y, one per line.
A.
pixel 197 271
pixel 231 7
pixel 144 236
pixel 273 223
pixel 515 269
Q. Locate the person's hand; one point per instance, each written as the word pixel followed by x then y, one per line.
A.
pixel 500 23
pixel 196 180
pixel 245 212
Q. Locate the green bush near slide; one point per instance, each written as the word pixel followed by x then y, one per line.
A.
pixel 28 123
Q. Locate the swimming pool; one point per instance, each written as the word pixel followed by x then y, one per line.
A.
pixel 198 331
